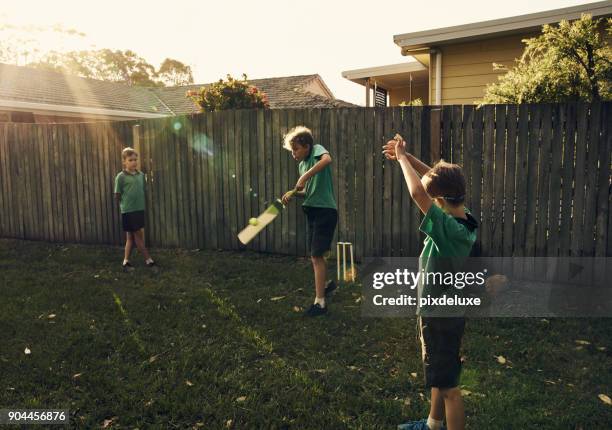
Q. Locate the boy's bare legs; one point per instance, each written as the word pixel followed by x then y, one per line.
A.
pixel 129 244
pixel 436 410
pixel 455 412
pixel 320 273
pixel 139 239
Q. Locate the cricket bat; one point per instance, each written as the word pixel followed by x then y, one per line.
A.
pixel 257 225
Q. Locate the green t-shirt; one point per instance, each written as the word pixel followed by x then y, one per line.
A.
pixel 132 190
pixel 319 191
pixel 447 236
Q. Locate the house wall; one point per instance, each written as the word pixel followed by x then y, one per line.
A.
pixel 467 67
pixel 398 95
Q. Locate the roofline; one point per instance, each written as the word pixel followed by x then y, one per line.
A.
pixel 7 103
pixel 371 72
pixel 323 84
pixel 420 39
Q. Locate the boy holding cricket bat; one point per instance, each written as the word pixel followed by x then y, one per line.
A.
pixel 316 188
pixel 451 232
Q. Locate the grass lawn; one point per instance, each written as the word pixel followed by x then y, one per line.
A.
pixel 218 340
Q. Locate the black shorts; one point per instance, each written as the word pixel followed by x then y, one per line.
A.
pixel 441 345
pixel 321 227
pixel 133 221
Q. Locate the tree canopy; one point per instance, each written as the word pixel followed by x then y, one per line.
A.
pixel 570 61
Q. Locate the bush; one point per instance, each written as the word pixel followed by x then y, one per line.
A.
pixel 229 94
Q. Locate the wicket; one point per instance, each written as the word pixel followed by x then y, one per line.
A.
pixel 346 275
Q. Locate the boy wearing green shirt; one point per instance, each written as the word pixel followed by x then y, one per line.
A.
pixel 316 187
pixel 451 232
pixel 130 194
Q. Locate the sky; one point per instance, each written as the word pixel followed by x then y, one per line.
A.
pixel 263 38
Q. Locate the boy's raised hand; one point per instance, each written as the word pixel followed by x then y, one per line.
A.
pixel 395 147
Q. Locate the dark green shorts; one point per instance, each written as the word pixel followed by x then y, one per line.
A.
pixel 441 350
pixel 321 227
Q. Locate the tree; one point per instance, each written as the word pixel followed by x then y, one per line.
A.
pixel 173 72
pixel 104 64
pixel 230 94
pixel 568 62
pixel 21 45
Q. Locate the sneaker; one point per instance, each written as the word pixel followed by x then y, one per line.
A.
pixel 127 267
pixel 330 287
pixel 416 425
pixel 153 266
pixel 315 310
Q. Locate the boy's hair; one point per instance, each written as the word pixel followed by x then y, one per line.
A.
pixel 300 135
pixel 128 152
pixel 445 180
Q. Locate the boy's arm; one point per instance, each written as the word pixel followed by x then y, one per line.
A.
pixel 117 189
pixel 417 191
pixel 324 160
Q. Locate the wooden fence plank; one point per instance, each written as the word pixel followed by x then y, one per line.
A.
pixel 567 181
pixel 542 227
pixel 594 140
pixel 497 214
pixel 488 166
pixel 535 114
pixel 556 172
pixel 578 227
pixel 510 178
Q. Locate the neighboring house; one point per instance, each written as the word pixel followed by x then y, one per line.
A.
pixel 41 96
pixel 453 65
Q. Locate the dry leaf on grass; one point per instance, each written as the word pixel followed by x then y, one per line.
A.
pixel 582 342
pixel 241 399
pixel 607 400
pixel 51 316
pixel 189 383
pixel 107 422
pixel 275 299
pixel 501 359
pixel 76 375
pixel 413 374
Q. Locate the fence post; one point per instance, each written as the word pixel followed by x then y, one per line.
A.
pixel 435 118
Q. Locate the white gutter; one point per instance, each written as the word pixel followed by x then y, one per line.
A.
pixel 77 109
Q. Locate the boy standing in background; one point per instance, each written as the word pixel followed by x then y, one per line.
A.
pixel 130 194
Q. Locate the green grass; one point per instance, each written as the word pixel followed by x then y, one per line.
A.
pixel 202 343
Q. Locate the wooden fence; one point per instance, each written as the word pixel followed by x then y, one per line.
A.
pixel 538 177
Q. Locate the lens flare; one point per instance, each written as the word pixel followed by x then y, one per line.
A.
pixel 202 144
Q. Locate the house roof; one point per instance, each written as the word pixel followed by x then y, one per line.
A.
pixel 29 88
pixel 28 85
pixel 283 92
pixel 390 75
pixel 497 27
